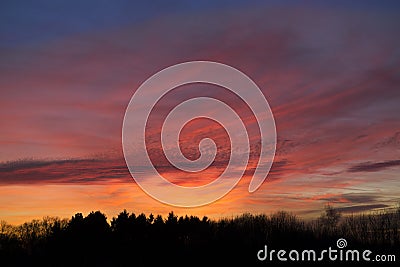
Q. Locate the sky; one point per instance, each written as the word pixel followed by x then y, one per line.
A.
pixel 68 69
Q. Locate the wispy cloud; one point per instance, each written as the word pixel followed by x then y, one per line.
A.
pixel 374 166
pixel 70 171
pixel 361 208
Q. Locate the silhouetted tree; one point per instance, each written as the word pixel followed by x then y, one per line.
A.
pixel 172 219
pixel 330 219
pixel 76 223
pixel 123 227
pixel 158 220
pixel 151 218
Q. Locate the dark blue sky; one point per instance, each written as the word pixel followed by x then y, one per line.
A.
pixel 31 21
pixel 27 22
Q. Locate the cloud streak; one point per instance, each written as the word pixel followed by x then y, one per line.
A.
pixel 70 171
pixel 374 167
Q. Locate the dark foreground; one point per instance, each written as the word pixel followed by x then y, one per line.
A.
pixel 142 240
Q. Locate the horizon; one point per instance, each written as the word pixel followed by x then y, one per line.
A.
pixel 342 215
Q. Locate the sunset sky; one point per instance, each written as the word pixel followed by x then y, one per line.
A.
pixel 330 72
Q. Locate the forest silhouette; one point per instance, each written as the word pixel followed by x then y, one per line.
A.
pixel 140 240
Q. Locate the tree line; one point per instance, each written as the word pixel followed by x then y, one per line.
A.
pixel 139 240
